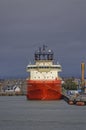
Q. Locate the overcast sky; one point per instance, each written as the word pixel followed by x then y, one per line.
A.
pixel 27 24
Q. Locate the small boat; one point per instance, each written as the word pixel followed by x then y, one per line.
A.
pixel 80 103
pixel 71 103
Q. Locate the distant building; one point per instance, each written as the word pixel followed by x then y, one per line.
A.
pixel 12 89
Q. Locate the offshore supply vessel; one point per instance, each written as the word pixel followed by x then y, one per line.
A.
pixel 43 82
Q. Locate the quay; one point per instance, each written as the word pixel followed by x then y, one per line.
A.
pixel 79 100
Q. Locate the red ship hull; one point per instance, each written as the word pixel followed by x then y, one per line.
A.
pixel 44 90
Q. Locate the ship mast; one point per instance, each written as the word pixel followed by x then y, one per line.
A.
pixel 43 54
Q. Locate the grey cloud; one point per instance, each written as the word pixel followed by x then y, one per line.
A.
pixel 27 24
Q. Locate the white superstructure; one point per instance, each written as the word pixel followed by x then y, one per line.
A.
pixel 44 67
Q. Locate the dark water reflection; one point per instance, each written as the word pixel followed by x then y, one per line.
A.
pixel 16 113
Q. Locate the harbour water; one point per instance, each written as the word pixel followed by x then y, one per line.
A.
pixel 17 113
